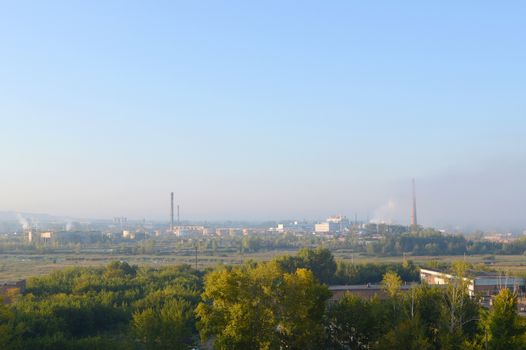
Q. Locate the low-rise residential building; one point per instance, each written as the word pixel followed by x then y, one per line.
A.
pixel 190 230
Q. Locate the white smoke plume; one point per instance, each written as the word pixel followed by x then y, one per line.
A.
pixel 386 213
pixel 23 221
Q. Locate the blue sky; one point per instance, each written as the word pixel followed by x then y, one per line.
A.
pixel 263 110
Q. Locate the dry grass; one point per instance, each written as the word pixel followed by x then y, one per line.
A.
pixel 14 267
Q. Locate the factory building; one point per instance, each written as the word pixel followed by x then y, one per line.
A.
pixel 482 285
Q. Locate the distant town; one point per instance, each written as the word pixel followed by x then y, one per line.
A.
pixel 45 232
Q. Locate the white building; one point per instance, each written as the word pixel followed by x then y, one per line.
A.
pixel 326 227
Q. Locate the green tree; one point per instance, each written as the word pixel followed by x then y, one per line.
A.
pixel 427 303
pixel 505 331
pixel 120 269
pixel 355 323
pixel 460 311
pixel 408 335
pixel 169 327
pixel 320 261
pixel 10 330
pixel 262 307
pixel 392 284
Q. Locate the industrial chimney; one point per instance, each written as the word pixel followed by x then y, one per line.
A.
pixel 414 222
pixel 172 212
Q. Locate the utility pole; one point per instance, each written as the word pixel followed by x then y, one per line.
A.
pixel 196 255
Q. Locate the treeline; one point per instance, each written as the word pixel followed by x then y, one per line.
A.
pixel 281 304
pixel 432 242
pixel 322 263
pixel 209 245
pixel 388 242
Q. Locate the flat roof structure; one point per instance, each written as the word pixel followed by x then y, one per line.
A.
pixel 363 290
pixel 483 284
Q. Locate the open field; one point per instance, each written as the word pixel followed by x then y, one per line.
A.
pixel 16 266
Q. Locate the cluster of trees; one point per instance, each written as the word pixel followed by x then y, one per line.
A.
pixel 329 271
pixel 264 306
pixel 349 273
pixel 280 304
pixel 425 318
pixel 425 242
pixel 429 318
pixel 261 306
pixel 116 307
pixel 432 242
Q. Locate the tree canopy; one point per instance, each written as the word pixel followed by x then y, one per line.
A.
pixel 262 307
pixel 279 304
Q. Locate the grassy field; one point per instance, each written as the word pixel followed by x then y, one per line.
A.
pixel 14 267
pixel 17 266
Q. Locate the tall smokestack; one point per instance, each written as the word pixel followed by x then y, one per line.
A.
pixel 414 221
pixel 172 212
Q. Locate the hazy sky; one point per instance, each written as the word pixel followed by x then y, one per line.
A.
pixel 257 110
